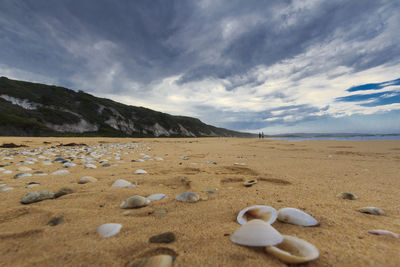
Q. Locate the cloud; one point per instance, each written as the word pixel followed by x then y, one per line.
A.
pixel 241 65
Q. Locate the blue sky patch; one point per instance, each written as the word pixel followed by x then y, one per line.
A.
pixel 373 86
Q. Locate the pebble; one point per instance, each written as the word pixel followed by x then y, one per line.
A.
pixel 69 164
pixel 188 197
pixel 90 166
pixel 63 191
pixel 56 221
pixel 347 195
pixel 24 169
pixel 37 196
pixel 140 171
pixel 6 189
pixel 135 202
pixel 106 165
pixel 7 172
pixel 87 179
pixel 154 261
pixel 39 173
pixel 167 237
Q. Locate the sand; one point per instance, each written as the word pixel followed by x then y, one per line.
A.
pixel 306 175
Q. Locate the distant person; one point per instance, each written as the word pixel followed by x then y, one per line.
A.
pixel 262 135
pixel 259 135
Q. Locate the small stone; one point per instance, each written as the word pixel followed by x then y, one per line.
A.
pixel 4 189
pixel 87 179
pixel 106 165
pixel 39 173
pixel 32 184
pixel 140 171
pixel 211 162
pixel 56 221
pixel 347 195
pixel 188 197
pixel 90 166
pixel 127 213
pixel 63 191
pixel 153 261
pixel 24 169
pixel 69 164
pixel 156 196
pixel 122 183
pixel 135 202
pixel 37 196
pixel 167 237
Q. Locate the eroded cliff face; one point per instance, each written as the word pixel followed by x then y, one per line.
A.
pixel 39 109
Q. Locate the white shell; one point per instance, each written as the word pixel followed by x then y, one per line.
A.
pixel 122 183
pixel 265 213
pixel 135 202
pixel 90 166
pixel 69 164
pixel 256 233
pixel 140 171
pixel 24 169
pixel 109 229
pixel 87 179
pixel 293 250
pixel 60 172
pixel 297 217
pixel 383 232
pixel 371 210
pixel 156 197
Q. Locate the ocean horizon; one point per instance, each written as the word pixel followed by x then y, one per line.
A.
pixel 360 137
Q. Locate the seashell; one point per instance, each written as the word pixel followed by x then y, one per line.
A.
pixel 24 169
pixel 156 196
pixel 22 175
pixel 140 171
pixel 6 189
pixel 159 159
pixel 188 197
pixel 265 213
pixel 297 217
pixel 39 173
pixel 383 232
pixel 134 202
pixel 90 166
pixel 60 172
pixel 347 195
pixel 293 250
pixel 122 183
pixel 249 183
pixel 154 261
pixel 87 179
pixel 109 229
pixel 69 164
pixel 256 233
pixel 36 197
pixel 7 172
pixel 146 157
pixel 372 210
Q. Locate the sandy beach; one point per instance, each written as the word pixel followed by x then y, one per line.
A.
pixel 306 175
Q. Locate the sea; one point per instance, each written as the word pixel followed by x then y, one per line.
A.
pixel 338 137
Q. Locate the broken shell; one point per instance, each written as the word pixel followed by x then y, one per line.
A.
pixel 155 261
pixel 293 250
pixel 347 195
pixel 383 232
pixel 188 197
pixel 372 210
pixel 87 179
pixel 256 233
pixel 265 213
pixel 297 217
pixel 109 229
pixel 249 183
pixel 135 202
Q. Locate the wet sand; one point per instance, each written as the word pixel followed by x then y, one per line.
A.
pixel 306 175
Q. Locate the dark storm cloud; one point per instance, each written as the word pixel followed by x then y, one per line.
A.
pixel 128 48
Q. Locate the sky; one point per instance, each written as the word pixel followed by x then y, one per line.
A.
pixel 275 66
